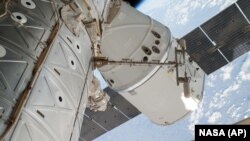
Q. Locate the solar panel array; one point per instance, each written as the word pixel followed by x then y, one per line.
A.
pixel 222 39
pixel 117 113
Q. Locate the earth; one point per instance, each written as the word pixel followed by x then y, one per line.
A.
pixel 226 96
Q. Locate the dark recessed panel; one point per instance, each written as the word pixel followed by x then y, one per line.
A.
pixel 245 7
pixel 230 31
pixel 134 3
pixel 202 51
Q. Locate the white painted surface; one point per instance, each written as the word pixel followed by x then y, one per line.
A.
pixel 19 17
pixel 52 112
pixel 28 4
pixel 124 38
pixel 2 51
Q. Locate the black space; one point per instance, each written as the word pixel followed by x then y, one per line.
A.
pixel 134 3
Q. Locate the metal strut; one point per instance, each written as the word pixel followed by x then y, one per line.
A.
pixel 101 61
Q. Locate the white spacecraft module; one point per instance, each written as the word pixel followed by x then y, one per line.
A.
pixel 49 49
pixel 134 37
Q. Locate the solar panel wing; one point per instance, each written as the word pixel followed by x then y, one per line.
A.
pixel 118 112
pixel 90 130
pixel 230 31
pixel 245 7
pixel 202 51
pixel 221 39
